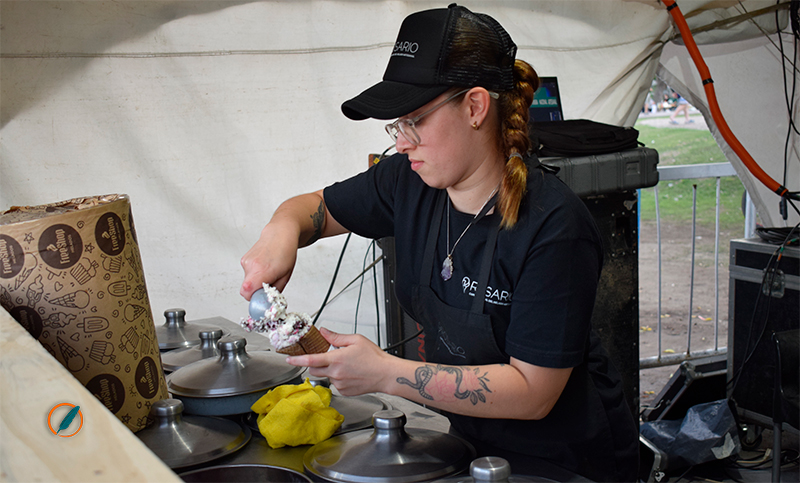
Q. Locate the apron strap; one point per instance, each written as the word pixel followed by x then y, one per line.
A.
pixel 430 244
pixel 486 265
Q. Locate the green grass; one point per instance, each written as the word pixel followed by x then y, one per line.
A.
pixel 680 146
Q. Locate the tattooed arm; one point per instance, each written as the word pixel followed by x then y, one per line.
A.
pixel 516 390
pixel 298 222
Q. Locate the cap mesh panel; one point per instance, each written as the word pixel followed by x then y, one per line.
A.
pixel 481 53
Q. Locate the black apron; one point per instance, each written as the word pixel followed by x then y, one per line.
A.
pixel 466 337
pixel 461 336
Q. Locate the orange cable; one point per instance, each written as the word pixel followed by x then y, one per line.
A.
pixel 716 114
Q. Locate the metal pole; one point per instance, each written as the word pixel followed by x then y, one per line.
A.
pixel 677 358
pixel 658 248
pixel 691 277
pixel 749 216
pixel 716 273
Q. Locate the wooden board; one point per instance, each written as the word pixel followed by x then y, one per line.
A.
pixel 32 382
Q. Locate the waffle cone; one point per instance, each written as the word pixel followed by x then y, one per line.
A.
pixel 311 343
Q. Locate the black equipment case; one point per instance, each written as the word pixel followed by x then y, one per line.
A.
pixel 755 312
pixel 695 382
pixel 597 174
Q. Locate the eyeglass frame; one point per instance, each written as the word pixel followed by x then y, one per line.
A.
pixel 413 136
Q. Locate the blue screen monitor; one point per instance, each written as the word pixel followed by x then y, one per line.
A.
pixel 546 105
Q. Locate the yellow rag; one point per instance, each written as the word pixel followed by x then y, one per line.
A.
pixel 296 414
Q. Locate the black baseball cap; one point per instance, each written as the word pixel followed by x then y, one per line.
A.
pixel 436 50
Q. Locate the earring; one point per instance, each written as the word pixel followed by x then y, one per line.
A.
pixel 475 126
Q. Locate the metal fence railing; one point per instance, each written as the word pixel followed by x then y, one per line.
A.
pixel 696 171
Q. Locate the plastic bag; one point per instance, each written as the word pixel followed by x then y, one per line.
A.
pixel 708 432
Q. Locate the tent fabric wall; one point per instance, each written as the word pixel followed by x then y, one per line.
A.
pixel 209 114
pixel 745 75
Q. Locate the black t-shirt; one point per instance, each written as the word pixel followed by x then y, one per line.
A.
pixel 547 265
pixel 540 296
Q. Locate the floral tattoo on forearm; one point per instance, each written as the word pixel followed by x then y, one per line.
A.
pixel 449 383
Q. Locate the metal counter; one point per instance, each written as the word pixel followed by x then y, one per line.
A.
pixel 257 451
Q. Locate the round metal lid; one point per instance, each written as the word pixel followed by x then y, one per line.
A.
pixel 232 372
pixel 389 453
pixel 176 332
pixel 358 411
pixel 173 360
pixel 492 469
pixel 182 440
pixel 244 473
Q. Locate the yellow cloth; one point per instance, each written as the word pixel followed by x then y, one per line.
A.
pixel 296 414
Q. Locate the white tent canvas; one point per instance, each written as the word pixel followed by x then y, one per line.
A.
pixel 209 114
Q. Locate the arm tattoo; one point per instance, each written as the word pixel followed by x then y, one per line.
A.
pixel 318 219
pixel 443 383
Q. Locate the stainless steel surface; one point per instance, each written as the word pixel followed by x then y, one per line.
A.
pixel 182 441
pixel 259 304
pixel 232 382
pixel 357 411
pixel 173 360
pixel 257 452
pixel 489 468
pixel 492 469
pixel 388 453
pixel 244 474
pixel 233 372
pixel 176 332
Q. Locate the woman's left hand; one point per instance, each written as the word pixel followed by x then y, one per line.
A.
pixel 355 366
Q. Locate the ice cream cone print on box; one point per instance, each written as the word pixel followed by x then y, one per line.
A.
pixel 71 274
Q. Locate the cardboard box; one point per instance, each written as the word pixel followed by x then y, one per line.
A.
pixel 71 274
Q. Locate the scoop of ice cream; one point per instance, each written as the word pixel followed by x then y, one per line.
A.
pixel 277 308
pixel 282 328
pixel 289 330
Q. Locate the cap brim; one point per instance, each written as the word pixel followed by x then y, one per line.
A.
pixel 390 100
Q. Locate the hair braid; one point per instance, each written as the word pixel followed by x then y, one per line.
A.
pixel 514 140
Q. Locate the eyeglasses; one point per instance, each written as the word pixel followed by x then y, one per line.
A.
pixel 407 127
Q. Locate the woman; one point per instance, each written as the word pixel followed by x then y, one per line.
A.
pixel 497 259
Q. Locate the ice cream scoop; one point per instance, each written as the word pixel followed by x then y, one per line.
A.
pixel 259 304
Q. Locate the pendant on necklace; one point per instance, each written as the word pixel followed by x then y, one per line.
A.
pixel 447 268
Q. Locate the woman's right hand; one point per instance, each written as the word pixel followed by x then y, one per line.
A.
pixel 271 260
pixel 298 222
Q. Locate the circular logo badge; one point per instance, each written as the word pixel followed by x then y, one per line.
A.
pixel 12 258
pixel 60 246
pixel 66 420
pixel 109 390
pixel 147 377
pixel 109 232
pixel 28 318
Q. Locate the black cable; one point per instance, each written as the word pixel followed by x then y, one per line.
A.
pixel 789 99
pixel 377 304
pixel 777 236
pixel 333 280
pixel 407 339
pixel 793 460
pixel 749 353
pixel 360 288
pixel 793 11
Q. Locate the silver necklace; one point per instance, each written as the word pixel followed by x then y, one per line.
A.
pixel 447 263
